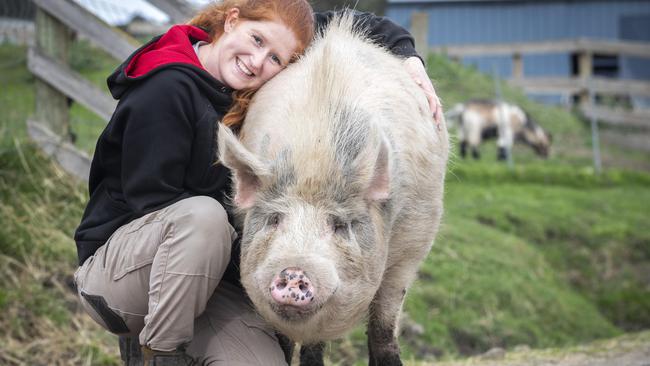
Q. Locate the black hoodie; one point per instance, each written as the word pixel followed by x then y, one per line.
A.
pixel 160 144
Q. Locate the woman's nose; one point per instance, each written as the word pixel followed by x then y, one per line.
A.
pixel 258 60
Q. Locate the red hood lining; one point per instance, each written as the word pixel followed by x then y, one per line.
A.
pixel 174 46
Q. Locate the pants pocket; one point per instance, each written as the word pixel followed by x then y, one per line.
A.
pixel 134 247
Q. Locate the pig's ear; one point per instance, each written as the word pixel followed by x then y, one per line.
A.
pixel 246 168
pixel 379 189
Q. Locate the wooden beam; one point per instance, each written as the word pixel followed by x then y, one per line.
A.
pixel 53 38
pixel 585 70
pixel 517 66
pixel 178 11
pixel 628 48
pixel 618 86
pixel 618 47
pixel 617 116
pixel 73 161
pixel 116 43
pixel 599 85
pixel 637 140
pixel 547 85
pixel 70 83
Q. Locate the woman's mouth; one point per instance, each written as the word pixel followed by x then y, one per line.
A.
pixel 243 69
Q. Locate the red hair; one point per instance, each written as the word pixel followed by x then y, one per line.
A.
pixel 297 15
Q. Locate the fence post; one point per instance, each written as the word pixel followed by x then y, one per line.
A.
pixel 420 32
pixel 585 67
pixel 595 136
pixel 517 66
pixel 53 39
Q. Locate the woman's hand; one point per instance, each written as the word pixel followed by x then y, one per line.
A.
pixel 415 68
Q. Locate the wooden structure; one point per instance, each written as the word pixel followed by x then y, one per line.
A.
pixel 57 85
pixel 583 85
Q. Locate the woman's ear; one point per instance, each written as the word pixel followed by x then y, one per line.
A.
pixel 232 16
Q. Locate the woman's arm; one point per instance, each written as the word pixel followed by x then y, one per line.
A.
pixel 380 29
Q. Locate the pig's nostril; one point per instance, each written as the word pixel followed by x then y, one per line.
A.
pixel 304 287
pixel 281 284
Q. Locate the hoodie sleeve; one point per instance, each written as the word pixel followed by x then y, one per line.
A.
pixel 381 29
pixel 157 141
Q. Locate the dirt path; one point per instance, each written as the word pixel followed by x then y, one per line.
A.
pixel 627 350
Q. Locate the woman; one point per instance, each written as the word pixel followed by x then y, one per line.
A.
pixel 155 239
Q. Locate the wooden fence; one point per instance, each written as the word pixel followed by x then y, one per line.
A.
pixel 57 84
pixel 584 85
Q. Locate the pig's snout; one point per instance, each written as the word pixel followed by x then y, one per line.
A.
pixel 292 287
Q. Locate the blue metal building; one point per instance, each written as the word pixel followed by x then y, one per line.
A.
pixel 461 22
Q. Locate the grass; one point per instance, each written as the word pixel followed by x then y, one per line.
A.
pixel 548 254
pixel 40 205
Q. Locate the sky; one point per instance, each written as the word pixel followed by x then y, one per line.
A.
pixel 116 12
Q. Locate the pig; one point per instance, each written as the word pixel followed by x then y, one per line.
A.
pixel 338 175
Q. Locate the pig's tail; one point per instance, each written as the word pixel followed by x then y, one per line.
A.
pixel 237 112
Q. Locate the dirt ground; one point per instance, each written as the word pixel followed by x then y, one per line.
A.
pixel 627 350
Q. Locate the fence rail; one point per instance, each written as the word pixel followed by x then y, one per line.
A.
pixel 607 47
pixel 575 85
pixel 56 21
pixel 584 85
pixel 70 83
pixel 115 42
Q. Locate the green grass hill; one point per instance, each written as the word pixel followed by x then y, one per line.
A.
pixel 548 254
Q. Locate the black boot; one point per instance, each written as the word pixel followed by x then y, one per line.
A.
pixel 130 351
pixel 172 358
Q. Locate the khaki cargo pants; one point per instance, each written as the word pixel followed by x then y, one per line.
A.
pixel 158 278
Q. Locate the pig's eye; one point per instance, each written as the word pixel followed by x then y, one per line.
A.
pixel 273 220
pixel 339 226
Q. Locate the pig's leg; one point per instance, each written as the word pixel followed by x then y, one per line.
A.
pixel 385 308
pixel 312 354
pixel 383 348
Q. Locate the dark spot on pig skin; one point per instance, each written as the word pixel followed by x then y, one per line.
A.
pixel 284 173
pixel 350 138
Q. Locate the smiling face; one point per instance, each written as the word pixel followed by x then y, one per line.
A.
pixel 248 53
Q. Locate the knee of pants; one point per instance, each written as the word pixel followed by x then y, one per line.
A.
pixel 203 227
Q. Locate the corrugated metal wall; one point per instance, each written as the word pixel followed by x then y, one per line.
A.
pixel 457 23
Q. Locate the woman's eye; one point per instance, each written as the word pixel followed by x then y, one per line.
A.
pixel 276 60
pixel 257 40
